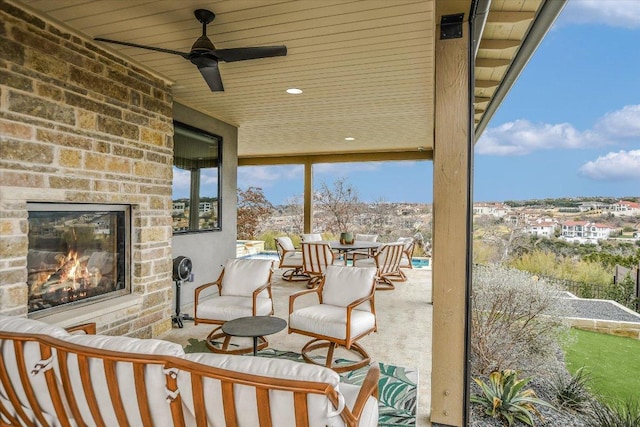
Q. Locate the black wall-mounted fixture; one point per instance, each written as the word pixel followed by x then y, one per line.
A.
pixel 451 26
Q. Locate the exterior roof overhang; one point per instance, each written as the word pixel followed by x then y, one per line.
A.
pixel 366 67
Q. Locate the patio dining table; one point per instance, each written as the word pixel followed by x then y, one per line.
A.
pixel 344 248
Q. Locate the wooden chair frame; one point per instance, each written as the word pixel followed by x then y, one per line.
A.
pixel 331 343
pixel 387 260
pixel 295 272
pixel 316 251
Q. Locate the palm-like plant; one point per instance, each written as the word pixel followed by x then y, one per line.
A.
pixel 503 397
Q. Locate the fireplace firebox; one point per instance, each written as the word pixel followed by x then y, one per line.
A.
pixel 78 253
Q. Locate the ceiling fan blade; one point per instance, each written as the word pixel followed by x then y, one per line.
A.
pixel 245 53
pixel 212 76
pixel 157 49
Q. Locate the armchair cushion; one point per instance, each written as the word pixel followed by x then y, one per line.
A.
pixel 331 321
pixel 369 417
pixel 243 276
pixel 339 289
pixel 226 308
pixel 286 243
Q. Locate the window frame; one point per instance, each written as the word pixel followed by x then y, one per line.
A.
pixel 194 187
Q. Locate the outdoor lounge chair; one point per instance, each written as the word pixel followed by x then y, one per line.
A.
pixel 244 289
pixel 345 312
pixel 387 261
pixel 290 258
pixel 315 259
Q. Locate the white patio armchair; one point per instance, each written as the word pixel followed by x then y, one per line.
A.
pixel 344 313
pixel 291 259
pixel 244 289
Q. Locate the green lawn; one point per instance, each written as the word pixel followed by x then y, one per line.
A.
pixel 613 363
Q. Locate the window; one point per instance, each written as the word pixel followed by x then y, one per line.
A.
pixel 196 179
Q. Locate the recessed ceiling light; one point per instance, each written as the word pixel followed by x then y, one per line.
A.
pixel 294 91
pixel 349 138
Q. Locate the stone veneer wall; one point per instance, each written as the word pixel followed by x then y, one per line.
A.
pixel 78 124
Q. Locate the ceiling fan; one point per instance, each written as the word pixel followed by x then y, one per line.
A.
pixel 205 56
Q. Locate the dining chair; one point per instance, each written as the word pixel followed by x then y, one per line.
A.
pixel 315 259
pixel 311 237
pixel 407 255
pixel 243 289
pixel 387 261
pixel 344 313
pixel 290 258
pixel 364 253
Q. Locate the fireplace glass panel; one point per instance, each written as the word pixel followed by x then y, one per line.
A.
pixel 77 253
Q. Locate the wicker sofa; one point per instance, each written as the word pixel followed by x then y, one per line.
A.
pixel 50 376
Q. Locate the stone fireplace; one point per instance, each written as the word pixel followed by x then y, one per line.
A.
pixel 78 253
pixel 79 125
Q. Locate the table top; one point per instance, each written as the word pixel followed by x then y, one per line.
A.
pixel 254 326
pixel 353 246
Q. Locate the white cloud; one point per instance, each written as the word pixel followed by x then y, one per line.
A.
pixel 340 169
pixel 523 137
pixel 267 176
pixel 614 13
pixel 181 183
pixel 614 166
pixel 624 123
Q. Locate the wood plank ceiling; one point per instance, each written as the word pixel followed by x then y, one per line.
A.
pixel 366 67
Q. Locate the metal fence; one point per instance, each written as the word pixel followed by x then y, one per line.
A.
pixel 627 294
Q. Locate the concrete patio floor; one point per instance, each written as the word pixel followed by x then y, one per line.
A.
pixel 404 317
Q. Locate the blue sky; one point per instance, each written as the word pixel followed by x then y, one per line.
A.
pixel 569 127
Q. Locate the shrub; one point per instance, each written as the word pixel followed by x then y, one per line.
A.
pixel 572 391
pixel 503 397
pixel 516 320
pixel 626 414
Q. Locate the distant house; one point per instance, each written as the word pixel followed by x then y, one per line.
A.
pixel 586 230
pixel 499 210
pixel 542 227
pixel 624 208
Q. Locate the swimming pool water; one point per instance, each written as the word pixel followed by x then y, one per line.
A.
pixel 417 262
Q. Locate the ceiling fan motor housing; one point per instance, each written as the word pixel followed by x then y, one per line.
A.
pixel 182 267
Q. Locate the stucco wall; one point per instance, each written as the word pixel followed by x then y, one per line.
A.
pixel 209 250
pixel 78 124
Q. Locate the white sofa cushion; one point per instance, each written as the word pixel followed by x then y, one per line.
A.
pixel 243 276
pixel 331 321
pixel 321 411
pixel 343 285
pixel 32 359
pixel 225 308
pixel 155 378
pixel 30 326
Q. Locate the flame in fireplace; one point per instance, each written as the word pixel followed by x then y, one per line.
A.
pixel 72 271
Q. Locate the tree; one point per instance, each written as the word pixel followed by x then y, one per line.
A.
pixel 340 203
pixel 295 210
pixel 253 209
